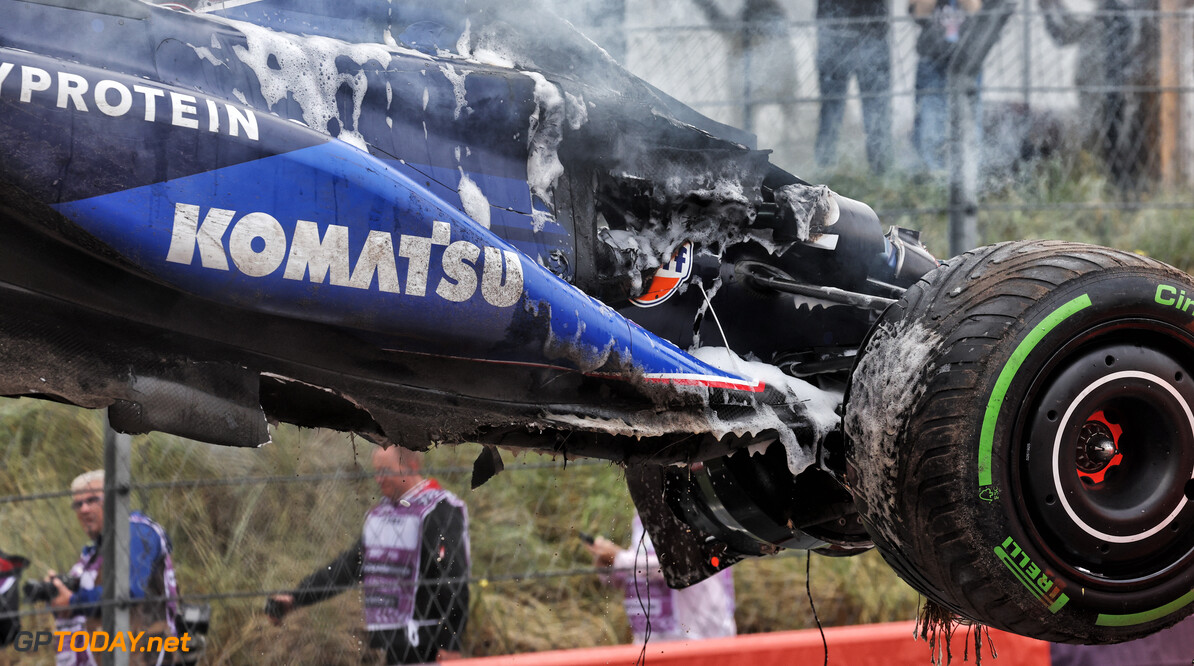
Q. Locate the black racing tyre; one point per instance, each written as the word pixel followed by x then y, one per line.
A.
pixel 1021 440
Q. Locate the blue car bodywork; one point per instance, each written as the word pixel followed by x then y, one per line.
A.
pixel 461 221
pixel 428 222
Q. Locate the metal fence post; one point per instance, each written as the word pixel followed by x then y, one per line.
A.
pixel 965 66
pixel 115 546
pixel 1026 54
pixel 748 105
pixel 963 167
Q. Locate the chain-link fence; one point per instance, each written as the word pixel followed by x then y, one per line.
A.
pixel 1086 115
pixel 1084 123
pixel 247 524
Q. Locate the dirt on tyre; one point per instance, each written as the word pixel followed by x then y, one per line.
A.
pixel 1020 431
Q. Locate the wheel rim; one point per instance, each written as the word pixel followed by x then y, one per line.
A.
pixel 1107 464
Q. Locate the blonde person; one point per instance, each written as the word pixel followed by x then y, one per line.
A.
pixel 151 576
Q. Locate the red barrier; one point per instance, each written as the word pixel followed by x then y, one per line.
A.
pixel 889 644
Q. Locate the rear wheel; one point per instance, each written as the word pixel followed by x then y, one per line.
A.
pixel 1021 440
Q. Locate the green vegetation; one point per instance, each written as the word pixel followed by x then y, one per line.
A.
pixel 1067 197
pixel 239 540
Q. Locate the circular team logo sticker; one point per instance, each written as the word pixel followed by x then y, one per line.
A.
pixel 668 278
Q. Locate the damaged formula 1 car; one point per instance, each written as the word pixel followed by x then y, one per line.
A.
pixel 459 221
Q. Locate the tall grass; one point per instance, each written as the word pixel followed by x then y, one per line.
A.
pixel 1067 197
pixel 239 541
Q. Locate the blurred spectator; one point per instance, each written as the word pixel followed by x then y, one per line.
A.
pixel 1113 52
pixel 151 575
pixel 942 23
pixel 761 40
pixel 413 561
pixel 852 40
pixel 703 610
pixel 1170 647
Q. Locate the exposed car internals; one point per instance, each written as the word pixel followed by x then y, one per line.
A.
pixel 443 222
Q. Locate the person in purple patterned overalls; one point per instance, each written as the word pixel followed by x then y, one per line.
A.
pixel 412 560
pixel 151 576
pixel 702 610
